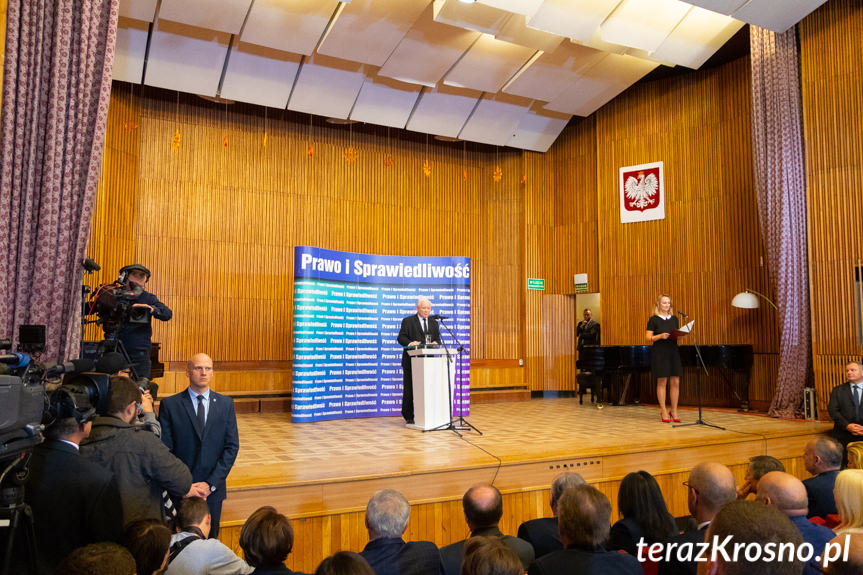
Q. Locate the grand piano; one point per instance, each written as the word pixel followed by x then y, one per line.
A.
pixel 612 369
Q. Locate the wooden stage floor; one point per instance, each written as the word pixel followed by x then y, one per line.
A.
pixel 312 469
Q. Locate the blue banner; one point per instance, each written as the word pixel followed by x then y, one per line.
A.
pixel 348 309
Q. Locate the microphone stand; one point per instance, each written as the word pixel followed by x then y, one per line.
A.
pixel 699 421
pixel 462 424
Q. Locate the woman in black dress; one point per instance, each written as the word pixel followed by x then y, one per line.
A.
pixel 665 357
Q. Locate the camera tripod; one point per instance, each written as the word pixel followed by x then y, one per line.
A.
pixel 15 510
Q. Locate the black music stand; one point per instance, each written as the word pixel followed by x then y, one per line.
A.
pixel 699 421
pixel 461 424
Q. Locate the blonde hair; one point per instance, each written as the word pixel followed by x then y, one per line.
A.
pixel 855 455
pixel 659 299
pixel 847 490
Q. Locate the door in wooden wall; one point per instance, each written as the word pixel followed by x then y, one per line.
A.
pixel 558 342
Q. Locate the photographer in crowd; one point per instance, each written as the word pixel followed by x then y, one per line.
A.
pixel 141 463
pixel 137 333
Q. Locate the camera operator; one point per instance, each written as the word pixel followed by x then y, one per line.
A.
pixel 142 464
pixel 136 334
pixel 113 363
pixel 74 501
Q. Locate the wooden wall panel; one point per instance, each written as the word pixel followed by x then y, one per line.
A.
pixel 558 342
pixel 831 47
pixel 708 247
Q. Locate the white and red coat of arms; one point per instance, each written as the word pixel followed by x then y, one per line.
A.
pixel 642 193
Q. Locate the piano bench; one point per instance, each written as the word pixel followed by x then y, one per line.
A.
pixel 591 381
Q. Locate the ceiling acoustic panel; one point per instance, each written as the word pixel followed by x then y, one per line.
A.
pixel 488 65
pixel 576 19
pixel 130 50
pixel 186 58
pixel 144 10
pixel 427 51
pixel 442 111
pixel 473 16
pixel 727 7
pixel 697 38
pixel 643 24
pixel 259 75
pixel 495 119
pixel 515 31
pixel 776 16
pixel 295 26
pixel 523 7
pixel 553 72
pixel 369 30
pixel 327 86
pixel 220 15
pixel 538 129
pixel 385 102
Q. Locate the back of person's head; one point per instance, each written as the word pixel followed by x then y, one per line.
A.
pixel 855 455
pixel 98 559
pixel 830 451
pixel 752 525
pixel 784 491
pixel 193 512
pixel 849 503
pixel 489 556
pixel 640 499
pixel 761 465
pixel 148 540
pixel 483 506
pixel 561 483
pixel 122 392
pixel 61 428
pixel 583 514
pixel 387 514
pixel 344 563
pixel 714 484
pixel 266 538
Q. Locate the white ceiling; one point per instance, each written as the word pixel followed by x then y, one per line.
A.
pixel 500 72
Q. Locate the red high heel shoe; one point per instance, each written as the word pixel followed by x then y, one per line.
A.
pixel 664 420
pixel 674 418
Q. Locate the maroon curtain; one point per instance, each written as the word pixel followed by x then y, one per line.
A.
pixel 56 87
pixel 777 138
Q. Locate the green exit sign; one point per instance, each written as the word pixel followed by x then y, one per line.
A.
pixel 535 283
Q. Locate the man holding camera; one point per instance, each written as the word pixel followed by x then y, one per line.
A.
pixel 137 333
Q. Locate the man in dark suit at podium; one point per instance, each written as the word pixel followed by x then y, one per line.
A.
pixel 416 329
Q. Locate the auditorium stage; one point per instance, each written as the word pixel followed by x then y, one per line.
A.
pixel 331 467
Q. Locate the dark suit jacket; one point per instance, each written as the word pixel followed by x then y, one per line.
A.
pixel 75 502
pixel 842 412
pixel 675 567
pixel 819 491
pixel 453 554
pixel 816 535
pixel 583 562
pixel 392 556
pixel 209 452
pixel 542 534
pixel 412 330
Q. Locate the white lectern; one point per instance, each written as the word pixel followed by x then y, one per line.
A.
pixel 429 370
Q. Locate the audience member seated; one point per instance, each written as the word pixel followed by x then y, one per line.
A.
pixel 822 458
pixel 542 533
pixel 74 501
pixel 489 556
pixel 788 495
pixel 387 515
pixel 849 502
pixel 710 486
pixel 752 524
pixel 344 563
pixel 141 463
pixel 98 559
pixel 266 540
pixel 483 508
pixel 759 466
pixel 855 455
pixel 584 515
pixel 148 540
pixel 192 553
pixel 853 565
pixel 644 513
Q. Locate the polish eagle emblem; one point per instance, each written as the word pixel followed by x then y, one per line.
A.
pixel 641 192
